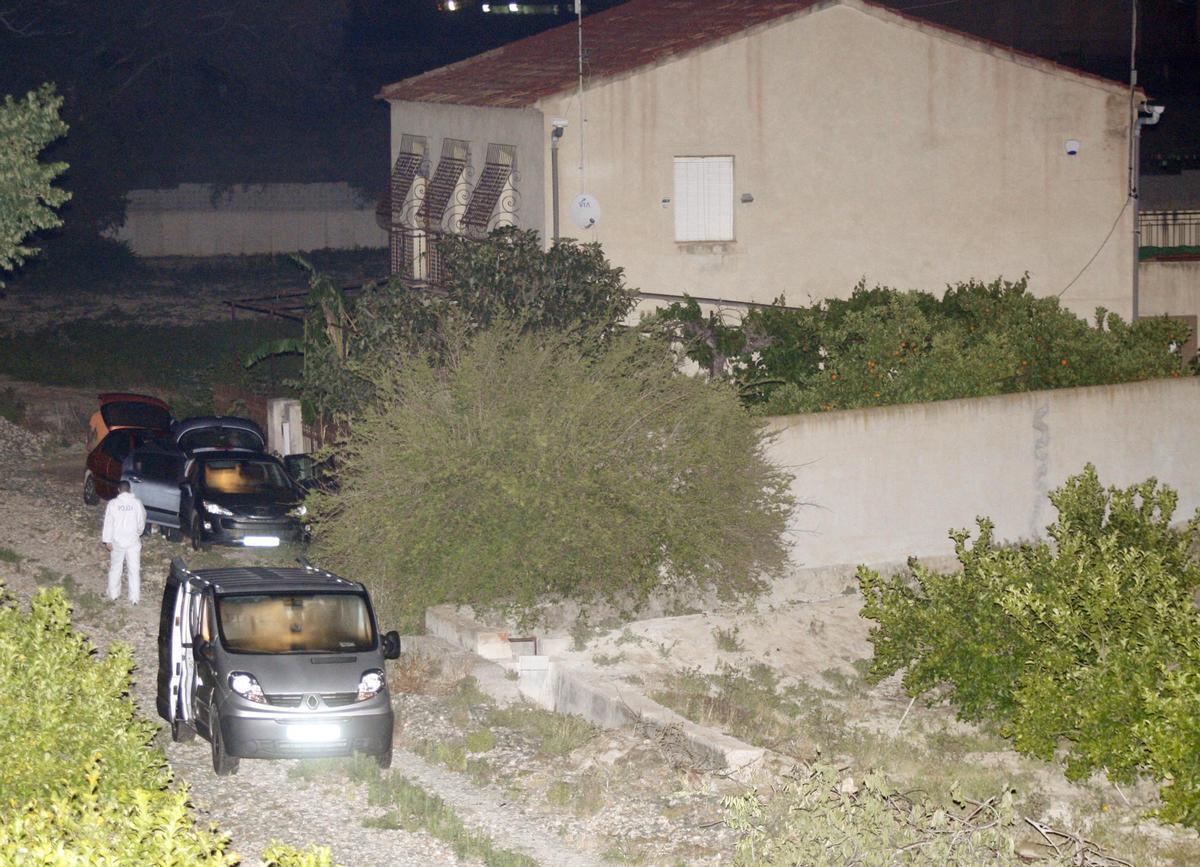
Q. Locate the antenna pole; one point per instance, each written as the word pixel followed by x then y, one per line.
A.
pixel 1135 134
pixel 582 115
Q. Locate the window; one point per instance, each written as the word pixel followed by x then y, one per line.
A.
pixel 703 198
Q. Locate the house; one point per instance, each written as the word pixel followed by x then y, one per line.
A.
pixel 740 150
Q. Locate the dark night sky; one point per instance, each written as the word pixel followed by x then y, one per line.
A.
pixel 164 91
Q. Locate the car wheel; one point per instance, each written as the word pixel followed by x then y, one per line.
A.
pixel 384 760
pixel 224 764
pixel 181 732
pixel 197 534
pixel 90 497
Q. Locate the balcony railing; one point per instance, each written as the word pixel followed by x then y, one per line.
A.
pixel 1169 228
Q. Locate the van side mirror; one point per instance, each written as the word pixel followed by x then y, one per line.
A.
pixel 391 645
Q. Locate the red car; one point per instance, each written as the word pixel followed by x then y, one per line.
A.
pixel 123 422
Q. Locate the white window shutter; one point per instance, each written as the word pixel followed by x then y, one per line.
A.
pixel 704 198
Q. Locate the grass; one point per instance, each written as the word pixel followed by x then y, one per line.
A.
pixel 8 555
pixel 12 408
pixel 729 640
pixel 185 361
pixel 414 809
pixel 555 734
pixel 583 796
pixel 607 659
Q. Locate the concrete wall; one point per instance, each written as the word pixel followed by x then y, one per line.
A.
pixel 203 220
pixel 1169 288
pixel 482 126
pixel 873 146
pixel 884 484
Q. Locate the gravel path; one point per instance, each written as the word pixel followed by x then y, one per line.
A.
pixel 43 520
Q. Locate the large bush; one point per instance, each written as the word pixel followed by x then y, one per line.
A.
pixel 507 275
pixel 529 468
pixel 1089 644
pixel 881 347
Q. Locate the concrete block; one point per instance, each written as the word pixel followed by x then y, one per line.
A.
pixel 447 623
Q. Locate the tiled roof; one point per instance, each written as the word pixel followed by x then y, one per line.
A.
pixel 635 34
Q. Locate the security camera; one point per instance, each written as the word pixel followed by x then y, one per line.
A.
pixel 1072 147
pixel 559 123
pixel 560 126
pixel 1149 114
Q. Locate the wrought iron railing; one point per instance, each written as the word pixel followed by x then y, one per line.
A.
pixel 1169 228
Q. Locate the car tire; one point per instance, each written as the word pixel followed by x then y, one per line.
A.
pixel 224 765
pixel 181 732
pixel 384 760
pixel 197 534
pixel 90 497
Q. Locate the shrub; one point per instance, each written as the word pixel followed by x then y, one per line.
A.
pixel 79 782
pixel 1091 644
pixel 527 470
pixel 28 196
pixel 822 819
pixel 881 347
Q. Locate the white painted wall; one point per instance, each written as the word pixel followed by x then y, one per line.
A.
pixel 481 126
pixel 873 146
pixel 203 220
pixel 1169 287
pixel 884 484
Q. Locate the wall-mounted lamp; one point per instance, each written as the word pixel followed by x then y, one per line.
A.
pixel 747 198
pixel 1072 147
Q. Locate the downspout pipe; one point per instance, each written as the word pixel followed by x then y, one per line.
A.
pixel 558 127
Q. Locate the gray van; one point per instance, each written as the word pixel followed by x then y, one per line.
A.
pixel 273 662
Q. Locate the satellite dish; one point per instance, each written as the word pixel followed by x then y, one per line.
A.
pixel 585 211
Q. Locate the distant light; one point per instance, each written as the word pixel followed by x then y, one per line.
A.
pixel 512 7
pixel 452 5
pixel 486 7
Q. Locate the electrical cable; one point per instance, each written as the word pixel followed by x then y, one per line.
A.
pixel 1099 249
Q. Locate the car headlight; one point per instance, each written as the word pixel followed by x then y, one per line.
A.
pixel 370 684
pixel 245 685
pixel 299 512
pixel 214 509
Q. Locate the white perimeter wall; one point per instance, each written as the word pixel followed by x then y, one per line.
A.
pixel 884 484
pixel 1169 287
pixel 202 220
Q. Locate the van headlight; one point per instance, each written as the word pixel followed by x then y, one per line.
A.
pixel 245 685
pixel 299 512
pixel 370 684
pixel 214 509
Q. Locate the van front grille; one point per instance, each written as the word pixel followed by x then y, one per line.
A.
pixel 328 699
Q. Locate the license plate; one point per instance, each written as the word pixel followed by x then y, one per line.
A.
pixel 314 733
pixel 261 541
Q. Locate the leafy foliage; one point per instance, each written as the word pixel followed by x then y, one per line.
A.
pixel 882 347
pixel 349 345
pixel 823 819
pixel 527 468
pixel 28 196
pixel 1092 643
pixel 79 782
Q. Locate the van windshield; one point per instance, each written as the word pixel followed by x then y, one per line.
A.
pixel 311 622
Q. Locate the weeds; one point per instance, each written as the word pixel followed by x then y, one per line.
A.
pixel 729 640
pixel 12 408
pixel 608 659
pixel 413 809
pixel 8 555
pixel 556 734
pixel 481 741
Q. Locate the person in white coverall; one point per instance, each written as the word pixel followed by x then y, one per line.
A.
pixel 124 521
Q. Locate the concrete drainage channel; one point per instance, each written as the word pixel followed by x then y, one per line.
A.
pixel 603 701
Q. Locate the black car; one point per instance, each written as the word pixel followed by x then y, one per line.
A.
pixel 242 498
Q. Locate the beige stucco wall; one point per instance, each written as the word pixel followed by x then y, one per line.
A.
pixel 873 147
pixel 1169 288
pixel 481 126
pixel 202 220
pixel 882 484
